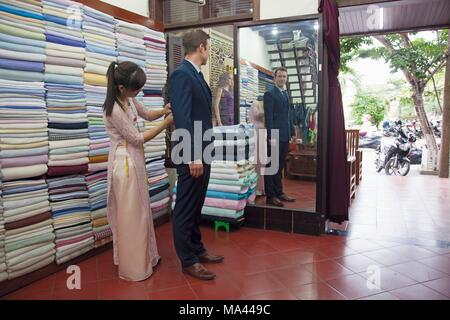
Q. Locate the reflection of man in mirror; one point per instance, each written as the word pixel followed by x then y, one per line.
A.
pixel 278 116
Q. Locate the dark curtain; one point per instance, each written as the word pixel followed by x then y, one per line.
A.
pixel 337 188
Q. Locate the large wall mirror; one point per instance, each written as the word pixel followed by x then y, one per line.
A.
pixel 260 50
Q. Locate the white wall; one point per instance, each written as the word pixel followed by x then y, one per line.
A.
pixel 273 9
pixel 252 47
pixel 137 6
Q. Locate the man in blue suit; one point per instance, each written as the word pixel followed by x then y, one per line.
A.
pixel 277 113
pixel 191 101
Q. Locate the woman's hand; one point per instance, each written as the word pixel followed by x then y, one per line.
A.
pixel 168 121
pixel 167 109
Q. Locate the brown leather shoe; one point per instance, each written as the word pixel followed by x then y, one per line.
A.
pixel 274 202
pixel 285 197
pixel 198 271
pixel 210 258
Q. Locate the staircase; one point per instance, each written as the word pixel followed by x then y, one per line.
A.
pixel 300 59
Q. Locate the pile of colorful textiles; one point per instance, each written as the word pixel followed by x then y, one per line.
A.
pixel 158 180
pixel 154 150
pixel 23 130
pixel 130 43
pixel 99 34
pixel 66 101
pixel 232 183
pixel 23 114
pixel 3 272
pixel 29 234
pixel 248 90
pixel 98 188
pixel 69 200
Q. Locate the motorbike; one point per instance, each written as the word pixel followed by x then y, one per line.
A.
pixel 393 158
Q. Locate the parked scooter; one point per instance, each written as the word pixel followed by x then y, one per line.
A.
pixel 394 158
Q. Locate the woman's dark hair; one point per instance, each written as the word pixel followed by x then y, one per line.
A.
pixel 126 73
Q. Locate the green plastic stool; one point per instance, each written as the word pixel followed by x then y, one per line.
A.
pixel 218 224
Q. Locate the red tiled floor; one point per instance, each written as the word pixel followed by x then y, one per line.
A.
pixel 273 295
pixel 217 289
pixel 386 256
pixel 88 291
pixel 258 283
pixel 24 294
pixel 317 291
pixel 362 245
pixel 418 271
pixel 328 269
pixel 441 285
pixel 304 256
pixel 357 263
pixel 88 274
pixel 165 278
pixel 413 252
pixel 440 263
pixel 381 296
pixel 336 250
pixel 294 276
pixel 354 286
pixel 390 279
pixel 418 292
pixel 177 293
pixel 121 290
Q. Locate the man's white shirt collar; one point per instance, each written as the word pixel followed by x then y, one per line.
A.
pixel 195 66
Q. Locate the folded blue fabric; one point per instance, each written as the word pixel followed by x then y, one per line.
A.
pixel 58 213
pixel 23 41
pixel 140 63
pixel 23 152
pixel 64 22
pixel 97 152
pixel 59 78
pixel 152 92
pixel 20 12
pixel 18 75
pixel 23 189
pixel 20 47
pixel 21 65
pixel 22 107
pixel 64 35
pixel 97 49
pixel 64 41
pixel 100 205
pixel 100 23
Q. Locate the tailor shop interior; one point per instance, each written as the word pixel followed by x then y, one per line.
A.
pixel 54 146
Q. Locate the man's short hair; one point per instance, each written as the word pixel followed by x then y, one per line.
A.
pixel 278 69
pixel 193 39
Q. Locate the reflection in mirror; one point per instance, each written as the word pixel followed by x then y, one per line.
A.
pixel 278 89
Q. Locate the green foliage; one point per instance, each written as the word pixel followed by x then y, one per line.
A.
pixel 413 54
pixel 371 105
pixel 350 50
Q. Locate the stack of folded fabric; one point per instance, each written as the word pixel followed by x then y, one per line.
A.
pixel 29 235
pixel 248 90
pixel 98 188
pixel 158 181
pixel 100 37
pixel 69 200
pixel 66 100
pixel 23 115
pixel 233 178
pixel 155 69
pixel 23 130
pixel 3 272
pixel 130 43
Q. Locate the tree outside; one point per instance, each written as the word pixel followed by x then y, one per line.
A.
pixel 419 60
pixel 369 105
